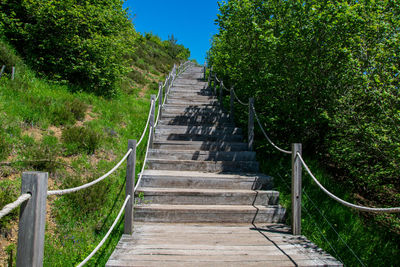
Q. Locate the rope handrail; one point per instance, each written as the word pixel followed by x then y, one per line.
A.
pixel 267 137
pixel 343 202
pixel 144 164
pixel 237 98
pixel 255 114
pixel 75 189
pixel 147 124
pixel 11 206
pixel 107 234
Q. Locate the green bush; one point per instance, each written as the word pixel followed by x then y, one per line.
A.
pixel 68 112
pixel 323 73
pixel 80 139
pixel 4 147
pixel 41 156
pixel 89 199
pixel 83 42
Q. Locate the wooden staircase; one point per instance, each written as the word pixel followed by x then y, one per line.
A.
pixel 201 201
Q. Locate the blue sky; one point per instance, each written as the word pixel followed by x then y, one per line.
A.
pixel 190 21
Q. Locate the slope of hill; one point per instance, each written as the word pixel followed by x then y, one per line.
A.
pixel 59 126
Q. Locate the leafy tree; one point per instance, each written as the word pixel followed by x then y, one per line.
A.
pixel 324 73
pixel 83 42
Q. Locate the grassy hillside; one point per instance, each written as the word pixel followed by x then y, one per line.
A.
pixel 56 126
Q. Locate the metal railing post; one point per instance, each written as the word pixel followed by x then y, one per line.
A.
pixel 152 120
pixel 232 98
pixel 129 187
pixel 160 103
pixel 250 127
pixel 296 189
pixel 32 219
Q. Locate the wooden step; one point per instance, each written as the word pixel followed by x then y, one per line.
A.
pixel 199 165
pixel 200 145
pixel 208 213
pixel 190 196
pixel 203 180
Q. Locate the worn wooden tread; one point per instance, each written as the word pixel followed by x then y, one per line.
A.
pixel 216 245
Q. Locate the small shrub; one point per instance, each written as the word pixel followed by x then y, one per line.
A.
pixel 4 147
pixel 137 77
pixel 80 139
pixel 89 199
pixel 62 116
pixel 41 157
pixel 77 108
pixel 69 112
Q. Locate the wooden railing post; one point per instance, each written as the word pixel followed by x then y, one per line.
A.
pixel 12 73
pixel 152 120
pixel 232 99
pixel 160 103
pixel 32 220
pixel 2 70
pixel 296 189
pixel 250 127
pixel 220 97
pixel 220 86
pixel 204 70
pixel 130 185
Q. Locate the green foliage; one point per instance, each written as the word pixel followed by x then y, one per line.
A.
pixel 326 74
pixel 83 42
pixel 370 241
pixel 4 147
pixel 80 139
pixel 323 73
pixel 40 156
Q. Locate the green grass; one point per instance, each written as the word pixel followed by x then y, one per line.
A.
pixel 80 220
pixel 332 226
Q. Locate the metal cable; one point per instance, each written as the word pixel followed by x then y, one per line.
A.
pixel 308 213
pixel 75 189
pixel 107 235
pixel 266 136
pixel 10 207
pixel 322 234
pixel 348 204
pixel 147 124
pixel 331 226
pixel 144 162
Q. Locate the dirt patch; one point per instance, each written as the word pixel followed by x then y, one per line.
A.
pixel 89 116
pixel 34 132
pixel 56 131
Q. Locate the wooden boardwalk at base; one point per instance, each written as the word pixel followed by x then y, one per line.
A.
pixel 167 244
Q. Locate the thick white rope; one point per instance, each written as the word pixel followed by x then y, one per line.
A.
pixel 107 235
pixel 147 124
pixel 10 207
pixel 348 204
pixel 266 136
pixel 237 98
pixel 75 189
pixel 144 162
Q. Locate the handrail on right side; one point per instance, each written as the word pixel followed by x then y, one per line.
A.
pixel 297 160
